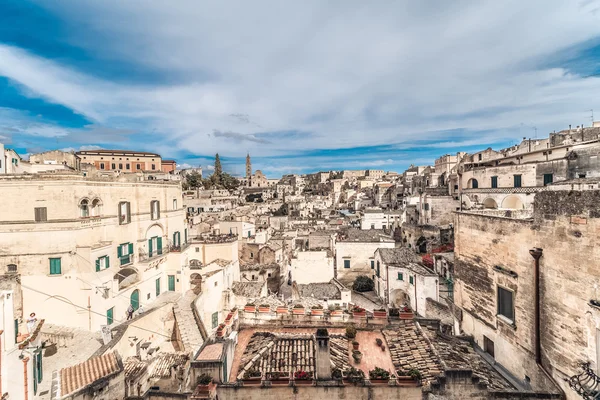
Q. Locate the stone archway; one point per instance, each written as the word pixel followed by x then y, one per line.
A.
pixel 490 203
pixel 399 298
pixel 421 245
pixel 196 283
pixel 512 202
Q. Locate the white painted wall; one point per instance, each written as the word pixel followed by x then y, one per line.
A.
pixel 312 267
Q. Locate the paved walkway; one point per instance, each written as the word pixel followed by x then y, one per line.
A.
pixel 188 328
pixel 373 356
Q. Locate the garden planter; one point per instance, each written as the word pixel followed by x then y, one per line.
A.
pixel 337 313
pixel 405 380
pixel 380 314
pixel 359 314
pixel 298 311
pixel 357 356
pixel 263 309
pixel 316 312
pixel 281 380
pixel 229 320
pixel 303 382
pixel 406 315
pixel 379 382
pixel 234 313
pixel 355 346
pixel 282 310
pixel 250 309
pixel 254 381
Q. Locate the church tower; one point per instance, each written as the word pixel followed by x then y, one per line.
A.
pixel 248 170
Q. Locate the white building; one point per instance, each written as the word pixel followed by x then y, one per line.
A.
pixel 240 228
pixel 86 248
pixel 401 279
pixel 354 252
pixel 312 267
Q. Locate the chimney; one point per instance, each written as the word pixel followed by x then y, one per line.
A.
pixel 569 126
pixel 323 355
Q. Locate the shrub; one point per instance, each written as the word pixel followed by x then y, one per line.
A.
pixel 317 307
pixel 302 375
pixel 322 332
pixel 415 374
pixel 336 373
pixel 252 373
pixel 401 372
pixel 355 375
pixel 358 309
pixel 363 284
pixel 204 379
pixel 394 312
pixel 265 306
pixel 298 306
pixel 379 342
pixel 379 373
pixel 350 332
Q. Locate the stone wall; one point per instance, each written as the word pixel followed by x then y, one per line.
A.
pixel 492 252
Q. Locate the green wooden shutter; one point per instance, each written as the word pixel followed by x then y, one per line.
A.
pixel 159 244
pixel 97 264
pixel 119 252
pixel 40 372
pixel 171 282
pixel 175 239
pixel 109 316
pixel 150 247
pixel 158 286
pixel 130 246
pixel 185 235
pixel 107 262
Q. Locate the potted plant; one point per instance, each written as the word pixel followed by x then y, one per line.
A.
pixel 264 308
pixel 415 374
pixel 203 386
pixel 394 312
pixel 221 330
pixel 354 376
pixel 336 311
pixel 279 378
pixel 252 377
pixel 303 378
pixel 404 379
pixel 379 342
pixel 379 376
pixel 355 345
pixel 316 310
pixel 229 319
pixel 357 355
pixel 281 310
pixel 350 332
pixel 406 313
pixel 250 307
pixel 336 374
pixel 359 312
pixel 234 312
pixel 298 309
pixel 380 314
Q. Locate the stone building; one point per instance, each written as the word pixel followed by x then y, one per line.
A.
pixel 125 160
pixel 527 287
pixel 98 244
pixel 354 252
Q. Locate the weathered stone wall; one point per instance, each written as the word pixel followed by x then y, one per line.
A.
pixel 566 226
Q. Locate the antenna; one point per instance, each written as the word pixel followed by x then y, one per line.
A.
pixel 592 116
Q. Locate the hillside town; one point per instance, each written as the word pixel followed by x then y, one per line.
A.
pixel 123 276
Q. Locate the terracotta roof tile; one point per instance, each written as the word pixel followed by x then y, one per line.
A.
pixel 211 352
pixel 77 377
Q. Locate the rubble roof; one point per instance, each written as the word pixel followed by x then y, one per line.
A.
pixel 398 256
pixel 134 367
pixel 163 364
pixel 359 235
pixel 320 290
pixel 248 289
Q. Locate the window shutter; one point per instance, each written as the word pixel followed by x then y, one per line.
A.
pixel 128 206
pixel 159 244
pixel 97 265
pixel 150 247
pixel 130 245
pixel 119 251
pixel 107 261
pixel 157 209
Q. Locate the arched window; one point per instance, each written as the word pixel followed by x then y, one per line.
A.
pixel 84 208
pixel 96 209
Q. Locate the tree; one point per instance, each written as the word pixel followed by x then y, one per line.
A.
pixel 363 284
pixel 229 182
pixel 193 180
pixel 218 169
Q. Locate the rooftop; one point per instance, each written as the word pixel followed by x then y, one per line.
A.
pixel 248 289
pixel 320 290
pixel 211 352
pixel 76 378
pixel 398 256
pixel 163 364
pixel 364 236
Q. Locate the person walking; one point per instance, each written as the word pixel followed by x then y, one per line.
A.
pixel 129 312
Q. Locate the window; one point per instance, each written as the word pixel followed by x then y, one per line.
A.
pixel 96 208
pixel 517 179
pixel 84 209
pixel 55 266
pixel 426 206
pixel 372 226
pixel 346 263
pixel 41 214
pixel 580 176
pixel 372 264
pixel 474 184
pixel 174 204
pixel 494 182
pixel 215 319
pixel 548 179
pixel 127 166
pixel 124 212
pixel 479 157
pixel 506 306
pixel 102 263
pixel 197 249
pixel 120 166
pixel 157 286
pixel 455 187
pixel 125 253
pixel 109 315
pixel 155 246
pixel 251 255
pixel 153 167
pixel 488 346
pixel 378 269
pixel 113 166
pixel 12 268
pixel 411 280
pixel 400 276
pixel 171 282
pixel 138 167
pixel 154 209
pixel 101 165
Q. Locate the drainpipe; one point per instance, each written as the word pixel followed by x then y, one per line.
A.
pixel 25 380
pixel 536 253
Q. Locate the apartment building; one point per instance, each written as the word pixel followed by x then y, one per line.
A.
pixel 87 247
pixel 126 161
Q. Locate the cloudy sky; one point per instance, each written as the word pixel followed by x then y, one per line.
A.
pixel 301 85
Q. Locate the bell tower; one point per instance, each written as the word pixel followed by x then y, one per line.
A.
pixel 248 170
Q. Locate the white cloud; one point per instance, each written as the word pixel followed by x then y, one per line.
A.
pixel 352 73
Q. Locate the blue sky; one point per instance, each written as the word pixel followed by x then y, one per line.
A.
pixel 302 86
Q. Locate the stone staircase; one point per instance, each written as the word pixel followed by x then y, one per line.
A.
pixel 190 327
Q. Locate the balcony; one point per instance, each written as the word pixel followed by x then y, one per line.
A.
pixel 523 189
pixel 586 383
pixel 212 239
pixel 146 257
pixel 180 248
pixel 126 260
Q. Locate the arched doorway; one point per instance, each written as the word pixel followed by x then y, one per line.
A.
pixel 196 283
pixel 490 203
pixel 421 245
pixel 399 298
pixel 512 202
pixel 472 184
pixel 135 299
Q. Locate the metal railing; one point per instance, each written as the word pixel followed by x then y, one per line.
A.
pixel 154 254
pixel 586 383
